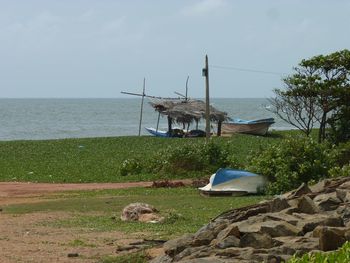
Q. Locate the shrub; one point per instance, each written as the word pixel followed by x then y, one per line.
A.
pixel 291 162
pixel 342 255
pixel 130 166
pixel 192 157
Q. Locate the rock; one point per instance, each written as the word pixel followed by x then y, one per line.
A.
pixel 133 212
pixel 345 185
pixel 309 222
pixel 207 233
pixel 343 195
pixel 344 212
pixel 303 189
pixel 189 253
pixel 292 245
pixel 307 206
pixel 256 240
pixel 278 204
pixel 162 259
pixel 279 228
pixel 230 241
pixel 72 255
pixel 318 187
pixel 331 238
pixel 271 231
pixel 282 216
pixel 327 202
pixel 205 260
pixel 231 230
pixel 175 246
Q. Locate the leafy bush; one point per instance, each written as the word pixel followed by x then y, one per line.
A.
pixel 192 157
pixel 291 162
pixel 130 166
pixel 340 256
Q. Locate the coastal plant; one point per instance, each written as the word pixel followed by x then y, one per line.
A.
pixel 342 255
pixel 195 157
pixel 130 166
pixel 291 162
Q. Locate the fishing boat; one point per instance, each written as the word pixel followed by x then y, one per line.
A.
pixel 233 182
pixel 176 133
pixel 256 127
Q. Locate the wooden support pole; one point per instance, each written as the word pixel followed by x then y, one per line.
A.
pixel 207 102
pixel 143 97
pixel 219 128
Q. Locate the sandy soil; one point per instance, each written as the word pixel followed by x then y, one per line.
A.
pixel 23 238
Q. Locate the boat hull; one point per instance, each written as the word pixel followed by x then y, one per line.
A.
pixel 257 127
pixel 233 182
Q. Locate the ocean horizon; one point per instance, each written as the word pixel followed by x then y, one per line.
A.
pixel 60 118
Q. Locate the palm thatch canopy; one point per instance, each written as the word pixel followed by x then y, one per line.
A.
pixel 187 111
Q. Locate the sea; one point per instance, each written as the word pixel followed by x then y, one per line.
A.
pixel 42 119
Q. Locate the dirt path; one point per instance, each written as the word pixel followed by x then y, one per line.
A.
pixel 25 239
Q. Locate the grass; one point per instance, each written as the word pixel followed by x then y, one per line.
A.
pixel 184 209
pixel 100 159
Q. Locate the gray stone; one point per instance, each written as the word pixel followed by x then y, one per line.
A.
pixel 279 228
pixel 278 204
pixel 344 212
pixel 282 216
pixel 256 240
pixel 175 246
pixel 303 189
pixel 209 232
pixel 342 194
pixel 231 230
pixel 327 202
pixel 331 238
pixel 309 222
pixel 230 241
pixel 162 259
pixel 307 206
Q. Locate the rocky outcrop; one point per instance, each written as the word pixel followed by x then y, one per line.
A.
pixel 315 218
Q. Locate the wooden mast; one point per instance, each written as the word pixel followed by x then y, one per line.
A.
pixel 143 97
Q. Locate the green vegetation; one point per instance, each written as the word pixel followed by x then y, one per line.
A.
pixel 318 93
pixel 118 159
pixel 295 160
pixel 185 211
pixel 342 255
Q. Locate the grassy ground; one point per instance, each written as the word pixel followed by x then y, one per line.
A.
pixel 99 159
pixel 184 209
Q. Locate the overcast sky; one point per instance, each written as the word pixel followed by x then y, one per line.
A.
pixel 97 48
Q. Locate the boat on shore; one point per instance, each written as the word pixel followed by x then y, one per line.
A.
pixel 176 133
pixel 256 127
pixel 233 182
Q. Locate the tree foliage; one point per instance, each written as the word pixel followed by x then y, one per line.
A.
pixel 315 93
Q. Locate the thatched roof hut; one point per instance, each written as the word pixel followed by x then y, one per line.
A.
pixel 187 111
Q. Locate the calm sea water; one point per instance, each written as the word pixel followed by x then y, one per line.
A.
pixel 36 119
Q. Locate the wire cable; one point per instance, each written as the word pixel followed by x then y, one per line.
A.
pixel 248 70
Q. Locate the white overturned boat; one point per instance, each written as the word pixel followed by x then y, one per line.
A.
pixel 233 182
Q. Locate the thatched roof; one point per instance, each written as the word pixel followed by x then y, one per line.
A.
pixel 187 111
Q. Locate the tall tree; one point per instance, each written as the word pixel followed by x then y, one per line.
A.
pixel 316 89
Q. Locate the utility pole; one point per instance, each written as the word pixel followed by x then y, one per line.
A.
pixel 205 74
pixel 143 96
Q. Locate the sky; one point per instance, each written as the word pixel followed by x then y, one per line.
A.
pixel 98 48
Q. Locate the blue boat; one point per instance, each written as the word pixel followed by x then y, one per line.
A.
pixel 176 133
pixel 232 181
